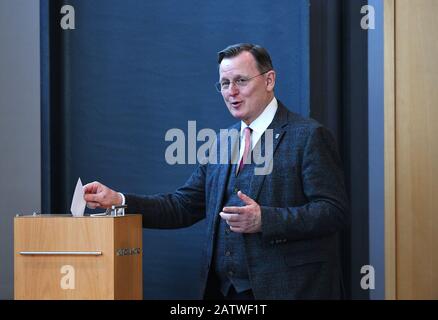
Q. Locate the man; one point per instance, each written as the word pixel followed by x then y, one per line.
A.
pixel 270 236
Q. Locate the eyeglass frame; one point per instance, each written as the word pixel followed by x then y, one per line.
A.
pixel 219 88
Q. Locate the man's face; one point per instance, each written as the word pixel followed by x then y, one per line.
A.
pixel 246 102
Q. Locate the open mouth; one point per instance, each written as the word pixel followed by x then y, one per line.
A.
pixel 236 104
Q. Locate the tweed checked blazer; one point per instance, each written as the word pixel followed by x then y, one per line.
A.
pixel 303 207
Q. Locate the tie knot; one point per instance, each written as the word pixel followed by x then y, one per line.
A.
pixel 247 130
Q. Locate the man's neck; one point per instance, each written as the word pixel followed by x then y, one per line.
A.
pixel 268 101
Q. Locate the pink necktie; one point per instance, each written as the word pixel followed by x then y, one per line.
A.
pixel 246 151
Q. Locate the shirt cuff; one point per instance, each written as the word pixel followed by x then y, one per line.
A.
pixel 123 198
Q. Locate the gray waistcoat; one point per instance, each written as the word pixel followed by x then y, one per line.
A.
pixel 229 256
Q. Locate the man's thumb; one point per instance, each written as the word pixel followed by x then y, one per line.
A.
pixel 245 198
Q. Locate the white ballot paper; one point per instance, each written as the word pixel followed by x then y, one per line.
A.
pixel 78 203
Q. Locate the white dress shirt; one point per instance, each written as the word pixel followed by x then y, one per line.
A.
pixel 258 126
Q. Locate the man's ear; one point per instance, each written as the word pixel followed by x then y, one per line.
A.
pixel 270 80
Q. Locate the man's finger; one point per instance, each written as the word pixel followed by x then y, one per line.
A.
pixel 229 217
pixel 93 205
pixel 245 198
pixel 91 197
pixel 91 187
pixel 234 224
pixel 234 209
pixel 236 229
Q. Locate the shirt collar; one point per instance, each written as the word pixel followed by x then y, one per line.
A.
pixel 262 122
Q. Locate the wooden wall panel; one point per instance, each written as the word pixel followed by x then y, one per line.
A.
pixel 389 82
pixel 416 148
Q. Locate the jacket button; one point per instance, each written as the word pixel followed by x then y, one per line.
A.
pixel 228 253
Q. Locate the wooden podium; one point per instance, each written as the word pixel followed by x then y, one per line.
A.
pixel 65 257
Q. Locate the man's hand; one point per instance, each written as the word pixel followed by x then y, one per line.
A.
pixel 97 195
pixel 246 219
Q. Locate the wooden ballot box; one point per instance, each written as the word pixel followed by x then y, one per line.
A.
pixel 65 257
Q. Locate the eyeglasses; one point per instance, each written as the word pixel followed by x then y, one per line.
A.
pixel 240 82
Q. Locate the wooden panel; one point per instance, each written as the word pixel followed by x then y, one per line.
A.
pixel 106 276
pixel 416 148
pixel 390 227
pixel 39 277
pixel 128 282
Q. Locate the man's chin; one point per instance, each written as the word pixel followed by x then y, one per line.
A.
pixel 236 114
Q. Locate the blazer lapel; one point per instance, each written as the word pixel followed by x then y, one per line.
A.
pixel 278 126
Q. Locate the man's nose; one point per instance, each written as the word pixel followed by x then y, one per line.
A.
pixel 233 89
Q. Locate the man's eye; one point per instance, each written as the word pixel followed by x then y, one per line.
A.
pixel 241 81
pixel 225 84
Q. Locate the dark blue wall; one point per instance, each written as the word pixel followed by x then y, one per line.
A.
pixel 130 71
pixel 376 130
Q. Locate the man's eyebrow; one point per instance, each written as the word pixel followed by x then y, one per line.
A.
pixel 238 76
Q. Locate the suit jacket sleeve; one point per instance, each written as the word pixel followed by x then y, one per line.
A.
pixel 323 186
pixel 182 208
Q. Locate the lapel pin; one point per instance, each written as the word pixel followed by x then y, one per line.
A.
pixel 277 135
